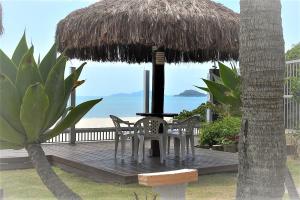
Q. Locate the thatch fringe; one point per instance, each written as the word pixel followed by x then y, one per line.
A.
pixel 126 30
pixel 1 26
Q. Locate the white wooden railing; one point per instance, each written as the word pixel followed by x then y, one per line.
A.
pixel 291 107
pixel 91 134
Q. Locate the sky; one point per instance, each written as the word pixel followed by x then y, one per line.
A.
pixel 39 19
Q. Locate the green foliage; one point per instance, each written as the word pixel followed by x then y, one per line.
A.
pixel 295 87
pixel 226 89
pixel 221 130
pixel 136 197
pixel 201 111
pixel 34 97
pixel 293 53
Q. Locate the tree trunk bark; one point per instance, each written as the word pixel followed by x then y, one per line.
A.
pixel 262 148
pixel 47 175
pixel 290 186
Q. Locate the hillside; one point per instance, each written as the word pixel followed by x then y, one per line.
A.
pixel 191 93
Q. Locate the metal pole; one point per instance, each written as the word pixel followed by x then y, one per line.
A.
pixel 73 104
pixel 146 90
pixel 208 111
pixel 213 72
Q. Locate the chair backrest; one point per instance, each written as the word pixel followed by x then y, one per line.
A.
pixel 151 126
pixel 117 123
pixel 189 124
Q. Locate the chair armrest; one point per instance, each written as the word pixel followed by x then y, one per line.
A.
pixel 126 122
pixel 130 124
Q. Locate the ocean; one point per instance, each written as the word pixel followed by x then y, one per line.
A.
pixel 128 106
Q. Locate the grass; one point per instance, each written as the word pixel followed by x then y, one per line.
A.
pixel 25 184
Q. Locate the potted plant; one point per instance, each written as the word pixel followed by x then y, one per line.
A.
pixel 229 145
pixel 214 133
pixel 218 147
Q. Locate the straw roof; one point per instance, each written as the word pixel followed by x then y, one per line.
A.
pixel 126 30
pixel 1 27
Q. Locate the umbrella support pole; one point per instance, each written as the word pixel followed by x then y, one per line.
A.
pixel 158 86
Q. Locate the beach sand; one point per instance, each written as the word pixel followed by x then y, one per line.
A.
pixel 105 122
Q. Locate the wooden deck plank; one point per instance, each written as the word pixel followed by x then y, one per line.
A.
pixel 96 161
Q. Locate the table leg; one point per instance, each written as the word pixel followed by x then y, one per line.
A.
pixel 176 147
pixel 123 140
pixel 171 192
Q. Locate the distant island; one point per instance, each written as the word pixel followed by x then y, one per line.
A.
pixel 191 93
pixel 138 93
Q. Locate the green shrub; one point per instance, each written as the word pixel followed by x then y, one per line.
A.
pixel 200 110
pixel 218 131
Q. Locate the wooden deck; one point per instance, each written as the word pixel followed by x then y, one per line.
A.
pixel 96 161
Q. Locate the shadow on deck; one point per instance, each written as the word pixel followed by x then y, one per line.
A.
pixel 96 161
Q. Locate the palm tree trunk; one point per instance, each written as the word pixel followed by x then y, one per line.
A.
pixel 47 175
pixel 262 148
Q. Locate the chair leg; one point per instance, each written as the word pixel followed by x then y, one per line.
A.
pixel 182 147
pixel 116 144
pixel 193 145
pixel 169 141
pixel 123 143
pixel 165 140
pixel 144 150
pixel 136 148
pixel 141 146
pixel 176 146
pixel 187 144
pixel 132 146
pixel 162 150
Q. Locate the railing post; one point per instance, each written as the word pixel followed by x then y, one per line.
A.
pixel 73 104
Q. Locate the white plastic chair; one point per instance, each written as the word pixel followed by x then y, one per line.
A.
pixel 150 128
pixel 122 135
pixel 184 132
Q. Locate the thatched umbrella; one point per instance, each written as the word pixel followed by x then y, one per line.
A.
pixel 126 30
pixel 1 27
pixel 151 31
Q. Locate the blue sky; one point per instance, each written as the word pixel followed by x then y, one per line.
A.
pixel 39 18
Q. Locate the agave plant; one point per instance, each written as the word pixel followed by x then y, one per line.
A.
pixel 226 89
pixel 34 98
pixel 136 197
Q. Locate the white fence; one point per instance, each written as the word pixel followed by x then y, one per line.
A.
pixel 92 134
pixel 291 107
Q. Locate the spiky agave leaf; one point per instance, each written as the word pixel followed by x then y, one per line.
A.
pixel 7 67
pixel 8 145
pixel 202 88
pixel 33 111
pixel 48 62
pixel 28 73
pixel 20 51
pixel 69 83
pixel 72 117
pixel 9 134
pixel 55 89
pixel 229 78
pixel 10 103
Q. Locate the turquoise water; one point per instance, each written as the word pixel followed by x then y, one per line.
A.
pixel 128 106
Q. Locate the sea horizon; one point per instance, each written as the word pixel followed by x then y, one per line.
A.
pixel 129 105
